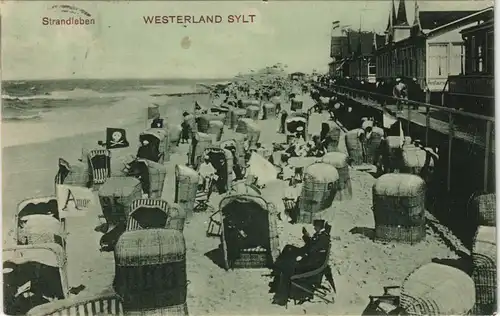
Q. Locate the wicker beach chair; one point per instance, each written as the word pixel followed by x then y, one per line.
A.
pixel 157 139
pixel 100 165
pixel 355 146
pixel 332 135
pixel 256 218
pixel 150 272
pixel 235 146
pixel 318 191
pixel 199 143
pixel 116 197
pixel 222 160
pixel 147 213
pixel 484 271
pixel 72 174
pixel 151 174
pixel 341 162
pixel 295 125
pixel 483 207
pixel 186 187
pixel 37 222
pixel 236 115
pixel 399 208
pixel 216 128
pixel 36 270
pixel 432 289
pixel 104 303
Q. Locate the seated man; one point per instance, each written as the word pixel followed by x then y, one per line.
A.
pixel 294 260
pixel 207 173
pixel 148 151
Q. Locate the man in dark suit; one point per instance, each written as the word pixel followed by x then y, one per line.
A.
pixel 294 260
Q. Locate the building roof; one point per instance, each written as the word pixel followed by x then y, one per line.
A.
pixel 401 19
pixel 488 25
pixel 360 43
pixel 433 19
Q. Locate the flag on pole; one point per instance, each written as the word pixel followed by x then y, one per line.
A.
pixel 74 201
pixel 335 25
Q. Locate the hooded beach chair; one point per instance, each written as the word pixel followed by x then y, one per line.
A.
pixel 154 143
pixel 296 125
pixel 116 196
pixel 150 272
pixel 147 213
pixel 104 303
pixel 249 235
pixel 33 275
pixel 432 289
pixel 72 174
pixel 100 165
pixel 235 146
pixel 151 174
pixel 37 222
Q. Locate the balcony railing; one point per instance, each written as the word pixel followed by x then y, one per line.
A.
pixel 482 133
pixel 474 85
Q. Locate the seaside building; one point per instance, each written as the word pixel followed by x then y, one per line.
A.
pixel 430 49
pixel 473 88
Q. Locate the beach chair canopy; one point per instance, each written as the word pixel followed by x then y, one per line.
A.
pixel 150 247
pixel 147 213
pixel 294 124
pixel 38 271
pixel 38 206
pixel 151 174
pixel 150 137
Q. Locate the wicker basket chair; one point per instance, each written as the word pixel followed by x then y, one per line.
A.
pixel 174 135
pixel 99 161
pixel 344 185
pixel 399 208
pixel 116 195
pixel 243 124
pixel 296 104
pixel 372 145
pixel 37 222
pixel 332 134
pixel 186 186
pixel 216 128
pixel 253 133
pixel 151 174
pixel 191 122
pixel 222 160
pixel 392 154
pixel 198 145
pixel 484 208
pixel 318 191
pixel 72 174
pixel 235 145
pixel 435 289
pixel 165 142
pixel 104 303
pixel 257 218
pixel 203 123
pixel 414 160
pixel 158 138
pixel 269 111
pixel 355 147
pixel 236 115
pixel 42 265
pixel 484 271
pixel 253 112
pixel 147 214
pixel 228 117
pixel 176 217
pixel 150 272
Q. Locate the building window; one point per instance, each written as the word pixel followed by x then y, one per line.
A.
pixel 438 59
pixel 372 68
pixel 490 53
pixel 456 59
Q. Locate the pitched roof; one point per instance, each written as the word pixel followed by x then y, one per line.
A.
pixel 401 19
pixel 431 19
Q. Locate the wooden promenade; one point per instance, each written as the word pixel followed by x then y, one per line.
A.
pixel 469 134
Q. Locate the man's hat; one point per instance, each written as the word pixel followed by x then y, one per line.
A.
pixel 319 222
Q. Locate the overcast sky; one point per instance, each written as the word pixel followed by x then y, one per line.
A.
pixel 121 45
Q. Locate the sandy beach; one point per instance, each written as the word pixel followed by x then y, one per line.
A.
pixel 360 266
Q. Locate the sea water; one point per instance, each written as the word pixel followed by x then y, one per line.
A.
pixel 39 111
